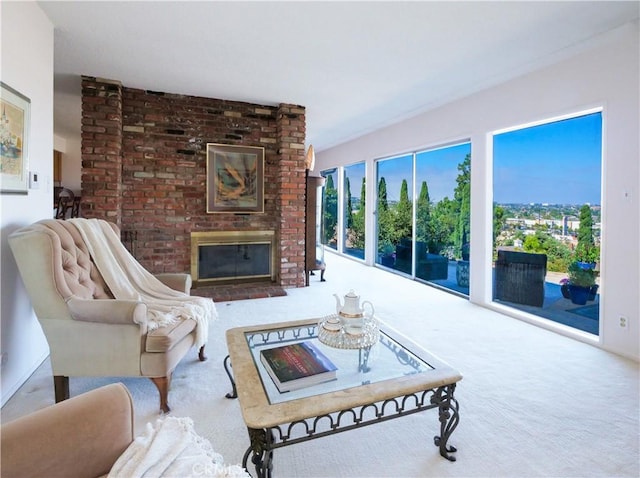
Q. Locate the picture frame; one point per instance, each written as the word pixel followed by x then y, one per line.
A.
pixel 235 179
pixel 15 120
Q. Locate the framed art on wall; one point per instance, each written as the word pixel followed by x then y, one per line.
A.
pixel 235 178
pixel 15 110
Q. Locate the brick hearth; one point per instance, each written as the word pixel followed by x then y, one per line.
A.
pixel 226 293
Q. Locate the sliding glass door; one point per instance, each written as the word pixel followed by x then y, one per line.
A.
pixel 394 213
pixel 423 215
pixel 329 227
pixel 443 234
pixel 354 199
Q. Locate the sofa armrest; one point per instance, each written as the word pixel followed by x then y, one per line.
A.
pixel 81 437
pixel 176 281
pixel 108 311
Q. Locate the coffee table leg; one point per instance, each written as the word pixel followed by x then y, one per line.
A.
pixel 261 451
pixel 363 359
pixel 227 366
pixel 449 418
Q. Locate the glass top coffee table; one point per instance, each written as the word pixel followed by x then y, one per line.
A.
pixel 392 378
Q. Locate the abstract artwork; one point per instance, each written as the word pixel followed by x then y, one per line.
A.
pixel 235 178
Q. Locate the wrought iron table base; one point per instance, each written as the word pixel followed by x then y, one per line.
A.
pixel 264 441
pixel 227 365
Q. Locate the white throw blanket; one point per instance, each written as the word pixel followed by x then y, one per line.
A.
pixel 128 280
pixel 172 449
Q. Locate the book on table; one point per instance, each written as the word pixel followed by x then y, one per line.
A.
pixel 299 365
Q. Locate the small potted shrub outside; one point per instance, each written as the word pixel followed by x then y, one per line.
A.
pixel 387 259
pixel 581 280
pixel 564 288
pixel 588 261
pixel 465 249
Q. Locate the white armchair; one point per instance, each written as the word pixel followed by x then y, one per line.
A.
pixel 88 331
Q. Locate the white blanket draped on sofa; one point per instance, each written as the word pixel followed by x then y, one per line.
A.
pixel 172 448
pixel 128 280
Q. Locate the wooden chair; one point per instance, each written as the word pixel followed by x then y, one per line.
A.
pixel 75 207
pixel 62 207
pixel 63 202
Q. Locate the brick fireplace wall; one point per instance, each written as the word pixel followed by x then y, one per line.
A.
pixel 144 168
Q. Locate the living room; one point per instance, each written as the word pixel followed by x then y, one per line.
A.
pixel 605 75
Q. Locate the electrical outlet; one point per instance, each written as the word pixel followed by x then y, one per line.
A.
pixel 623 322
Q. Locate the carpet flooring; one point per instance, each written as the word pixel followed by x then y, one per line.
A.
pixel 532 403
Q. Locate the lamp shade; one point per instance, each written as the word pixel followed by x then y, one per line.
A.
pixel 310 160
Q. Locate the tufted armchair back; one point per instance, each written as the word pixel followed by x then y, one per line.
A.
pixel 91 333
pixel 64 271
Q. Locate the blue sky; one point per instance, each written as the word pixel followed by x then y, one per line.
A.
pixel 556 163
pixel 439 167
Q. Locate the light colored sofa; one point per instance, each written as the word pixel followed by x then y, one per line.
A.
pixel 81 437
pixel 88 331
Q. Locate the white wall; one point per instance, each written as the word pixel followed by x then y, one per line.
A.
pixel 59 143
pixel 71 168
pixel 72 165
pixel 606 75
pixel 27 66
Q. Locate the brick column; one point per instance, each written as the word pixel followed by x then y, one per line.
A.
pixel 101 149
pixel 291 131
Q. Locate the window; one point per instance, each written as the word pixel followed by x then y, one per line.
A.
pixel 354 197
pixel 330 209
pixel 426 235
pixel 443 216
pixel 394 213
pixel 547 194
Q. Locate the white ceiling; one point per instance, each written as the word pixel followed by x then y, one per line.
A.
pixel 355 66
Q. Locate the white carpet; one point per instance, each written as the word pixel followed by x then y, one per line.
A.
pixel 532 403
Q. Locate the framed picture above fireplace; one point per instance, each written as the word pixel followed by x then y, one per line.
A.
pixel 235 179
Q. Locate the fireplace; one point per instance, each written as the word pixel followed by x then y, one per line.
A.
pixel 229 257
